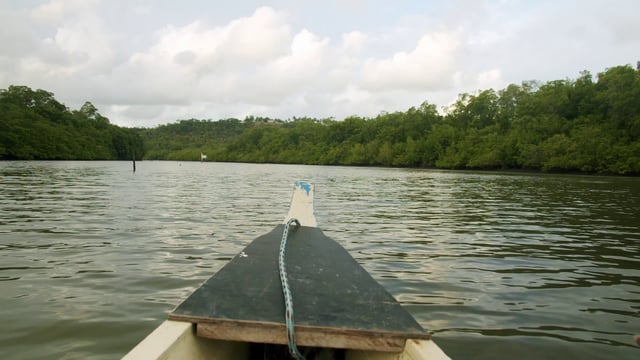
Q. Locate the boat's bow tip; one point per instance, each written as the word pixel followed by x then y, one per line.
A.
pixel 303 185
pixel 301 207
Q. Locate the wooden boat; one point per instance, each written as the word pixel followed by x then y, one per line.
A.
pixel 340 310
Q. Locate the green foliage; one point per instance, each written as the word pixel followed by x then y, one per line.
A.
pixel 581 125
pixel 34 125
pixel 563 125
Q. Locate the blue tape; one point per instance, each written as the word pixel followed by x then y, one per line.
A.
pixel 303 185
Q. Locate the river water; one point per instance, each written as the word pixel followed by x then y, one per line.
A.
pixel 497 265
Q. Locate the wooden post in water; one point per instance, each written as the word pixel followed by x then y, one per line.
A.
pixel 134 162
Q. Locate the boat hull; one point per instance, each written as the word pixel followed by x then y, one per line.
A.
pixel 339 305
pixel 178 340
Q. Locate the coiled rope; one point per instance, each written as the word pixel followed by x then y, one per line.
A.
pixel 288 300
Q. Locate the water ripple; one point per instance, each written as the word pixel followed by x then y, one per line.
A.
pixel 527 266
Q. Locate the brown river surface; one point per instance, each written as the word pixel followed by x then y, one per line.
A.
pixel 497 265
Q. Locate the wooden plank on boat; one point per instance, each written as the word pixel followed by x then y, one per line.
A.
pixel 336 302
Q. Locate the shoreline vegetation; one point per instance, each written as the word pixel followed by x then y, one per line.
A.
pixel 581 125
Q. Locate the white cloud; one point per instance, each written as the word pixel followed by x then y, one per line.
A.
pixel 351 95
pixel 56 11
pixel 491 79
pixel 354 41
pixel 307 57
pixel 202 62
pixel 145 63
pixel 426 67
pixel 242 42
pixel 80 37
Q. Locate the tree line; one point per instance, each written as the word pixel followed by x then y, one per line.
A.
pixel 35 126
pixel 584 125
pixel 588 124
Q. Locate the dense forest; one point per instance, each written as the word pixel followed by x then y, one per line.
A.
pixel 563 125
pixel 34 125
pixel 584 124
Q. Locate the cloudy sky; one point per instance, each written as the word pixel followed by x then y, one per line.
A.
pixel 144 62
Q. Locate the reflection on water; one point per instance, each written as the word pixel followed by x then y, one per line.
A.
pixel 92 256
pixel 528 264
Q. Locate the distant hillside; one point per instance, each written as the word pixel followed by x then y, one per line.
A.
pixel 584 125
pixel 185 139
pixel 34 125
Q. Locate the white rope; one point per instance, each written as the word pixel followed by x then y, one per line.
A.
pixel 288 299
